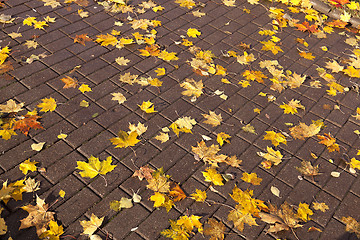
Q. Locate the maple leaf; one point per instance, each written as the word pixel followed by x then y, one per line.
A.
pixel 338 3
pixel 31 185
pixel 246 58
pixel 320 206
pixel 251 178
pixel 271 46
pixel 11 107
pixel 27 166
pixel 125 140
pixel 209 154
pixel 26 122
pixel 292 106
pixel 304 212
pixel 273 157
pixel 106 40
pixel 222 137
pixel 95 167
pixel 147 107
pixel 39 216
pixel 303 131
pixel 82 39
pixel 122 61
pixel 211 175
pixel 14 35
pixel 233 161
pixel 280 219
pixel 329 142
pixel 197 13
pixel 69 82
pixel 118 97
pixel 308 169
pixel 89 227
pixel 354 164
pixel 139 128
pixel 144 172
pixel 84 88
pixel 275 138
pixel 295 80
pixel 305 26
pixel 352 225
pixel 193 32
pixel 334 66
pixel 82 13
pixel 254 76
pixel 177 193
pixel 240 217
pixel 229 3
pixel 189 4
pixel 162 137
pixel 192 87
pixel 213 119
pixel 6 132
pixel 166 56
pixel 159 182
pixel 158 199
pixel 306 55
pixel 29 21
pixel 54 232
pixel 214 229
pixel 48 104
pixel 31 44
pixel 352 72
pixel 199 196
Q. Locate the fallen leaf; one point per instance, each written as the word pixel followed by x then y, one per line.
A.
pixel 37 146
pixel 147 107
pixel 89 227
pixel 320 206
pixel 213 119
pixel 118 97
pixel 82 39
pixel 193 32
pixel 125 140
pixel 27 166
pixel 31 44
pixel 211 175
pixel 122 61
pixel 82 13
pixel 251 178
pixel 162 137
pixel 69 82
pixel 275 138
pixel 275 191
pixel 214 229
pixel 48 104
pixel 94 167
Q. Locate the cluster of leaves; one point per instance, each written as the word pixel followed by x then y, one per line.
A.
pixel 11 120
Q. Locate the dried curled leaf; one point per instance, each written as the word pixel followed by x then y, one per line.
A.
pixel 308 169
pixel 352 225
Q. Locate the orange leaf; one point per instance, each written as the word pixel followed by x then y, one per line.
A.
pixel 69 82
pixel 329 142
pixel 82 39
pixel 305 26
pixel 177 193
pixel 27 122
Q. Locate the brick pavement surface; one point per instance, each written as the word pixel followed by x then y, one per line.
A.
pixel 89 129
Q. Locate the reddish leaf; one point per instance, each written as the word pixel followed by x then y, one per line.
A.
pixel 337 23
pixel 26 122
pixel 82 39
pixel 338 3
pixel 305 26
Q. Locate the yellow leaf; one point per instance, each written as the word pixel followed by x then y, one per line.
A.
pixel 122 61
pixel 355 164
pixel 257 110
pixel 352 72
pixel 84 103
pixel 192 87
pixel 95 167
pixel 160 71
pixel 89 227
pixel 48 104
pixel 125 139
pixel 213 119
pixel 124 41
pixel 222 137
pixel 197 13
pixel 306 55
pixel 251 178
pixel 189 4
pixel 31 44
pixel 37 146
pixel 6 133
pixel 304 212
pixel 139 128
pixel 118 97
pixel 29 21
pixel 158 8
pixel 246 58
pixel 82 13
pixel 275 138
pixel 84 88
pixel 49 19
pixel 15 35
pixel 199 196
pixel 62 193
pixel 147 107
pixel 158 199
pixel 155 82
pixel 28 166
pixel 40 25
pixel 229 3
pixel 4 53
pixel 166 56
pixel 106 40
pixel 186 43
pixel 192 32
pixel 211 175
pixel 292 106
pixel 320 206
pixel 271 46
pixel 334 66
pixel 274 157
pixel 162 137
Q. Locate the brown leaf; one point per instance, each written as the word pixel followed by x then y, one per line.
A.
pixel 69 82
pixel 26 123
pixel 177 193
pixel 82 39
pixel 214 229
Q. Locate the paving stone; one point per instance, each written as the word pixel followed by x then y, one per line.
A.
pixel 76 206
